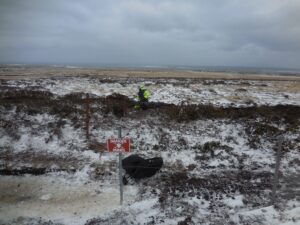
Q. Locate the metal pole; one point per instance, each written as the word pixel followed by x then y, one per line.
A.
pixel 276 175
pixel 120 169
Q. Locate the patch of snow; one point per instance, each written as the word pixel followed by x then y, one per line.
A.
pixel 144 209
pixel 59 199
pixel 45 197
pixel 235 202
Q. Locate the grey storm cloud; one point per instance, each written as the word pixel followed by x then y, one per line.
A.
pixel 151 32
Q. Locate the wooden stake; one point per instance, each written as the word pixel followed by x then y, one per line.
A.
pixel 276 175
pixel 87 117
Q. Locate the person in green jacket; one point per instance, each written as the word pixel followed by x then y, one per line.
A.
pixel 142 98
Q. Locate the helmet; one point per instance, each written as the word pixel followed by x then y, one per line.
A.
pixel 142 86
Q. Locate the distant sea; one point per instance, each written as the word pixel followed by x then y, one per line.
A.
pixel 232 69
pixel 227 69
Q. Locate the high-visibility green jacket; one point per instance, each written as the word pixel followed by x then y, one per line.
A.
pixel 143 94
pixel 146 94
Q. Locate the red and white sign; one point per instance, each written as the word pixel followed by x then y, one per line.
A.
pixel 118 145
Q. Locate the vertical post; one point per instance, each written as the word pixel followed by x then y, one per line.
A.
pixel 276 175
pixel 120 169
pixel 87 118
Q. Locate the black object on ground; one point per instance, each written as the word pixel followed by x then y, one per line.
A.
pixel 138 168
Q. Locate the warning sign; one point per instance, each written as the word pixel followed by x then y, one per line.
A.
pixel 118 145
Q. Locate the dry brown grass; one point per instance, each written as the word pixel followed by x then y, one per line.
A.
pixel 41 72
pixel 293 87
pixel 120 105
pixel 40 160
pixel 290 114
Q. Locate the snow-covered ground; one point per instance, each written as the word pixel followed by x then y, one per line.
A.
pixel 65 199
pixel 216 170
pixel 176 91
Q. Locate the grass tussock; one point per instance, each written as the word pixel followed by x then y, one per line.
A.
pixel 288 113
pixel 119 105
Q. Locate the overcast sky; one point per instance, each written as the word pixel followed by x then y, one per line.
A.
pixel 259 33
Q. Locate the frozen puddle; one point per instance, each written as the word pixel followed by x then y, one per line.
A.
pixel 68 201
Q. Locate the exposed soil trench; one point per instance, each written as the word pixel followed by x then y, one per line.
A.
pixel 120 105
pixel 32 171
